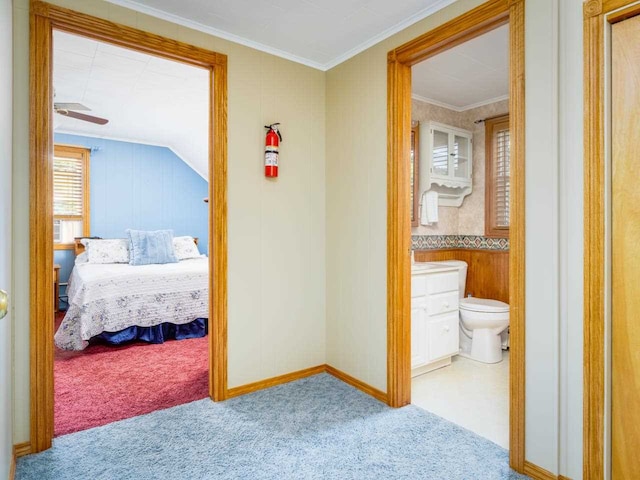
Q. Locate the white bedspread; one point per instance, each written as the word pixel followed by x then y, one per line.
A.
pixel 112 297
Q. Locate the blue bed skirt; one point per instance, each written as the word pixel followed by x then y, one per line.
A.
pixel 157 334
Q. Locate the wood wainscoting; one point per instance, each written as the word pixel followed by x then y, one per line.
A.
pixel 488 273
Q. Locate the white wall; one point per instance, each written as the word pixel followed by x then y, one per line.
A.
pixel 356 225
pixel 6 56
pixel 542 297
pixel 276 228
pixel 571 238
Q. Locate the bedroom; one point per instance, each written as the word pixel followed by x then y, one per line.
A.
pixel 132 165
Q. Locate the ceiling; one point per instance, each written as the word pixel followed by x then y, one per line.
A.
pixel 146 99
pixel 317 33
pixel 472 74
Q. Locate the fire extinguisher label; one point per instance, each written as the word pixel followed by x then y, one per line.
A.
pixel 271 159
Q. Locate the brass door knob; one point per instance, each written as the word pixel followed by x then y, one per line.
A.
pixel 4 303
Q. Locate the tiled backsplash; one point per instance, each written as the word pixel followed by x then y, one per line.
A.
pixel 477 242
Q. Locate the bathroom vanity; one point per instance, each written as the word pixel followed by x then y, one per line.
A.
pixel 434 316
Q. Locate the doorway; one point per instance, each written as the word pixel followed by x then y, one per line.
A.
pixel 132 334
pixel 611 123
pixel 45 19
pixel 483 19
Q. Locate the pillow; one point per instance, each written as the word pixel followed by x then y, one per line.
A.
pixel 107 251
pixel 151 247
pixel 185 247
pixel 82 258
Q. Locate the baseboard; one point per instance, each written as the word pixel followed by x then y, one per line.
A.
pixel 360 385
pixel 19 450
pixel 12 466
pixel 272 382
pixel 539 473
pixel 307 372
pixel 22 449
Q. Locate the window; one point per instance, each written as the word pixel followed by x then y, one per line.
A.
pixel 415 161
pixel 70 195
pixel 498 146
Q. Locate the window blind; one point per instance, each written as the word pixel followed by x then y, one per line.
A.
pixel 501 153
pixel 68 187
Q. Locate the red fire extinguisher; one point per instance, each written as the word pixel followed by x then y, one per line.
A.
pixel 271 150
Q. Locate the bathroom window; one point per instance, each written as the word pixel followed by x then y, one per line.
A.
pixel 70 195
pixel 498 147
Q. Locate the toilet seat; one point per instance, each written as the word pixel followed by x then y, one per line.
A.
pixel 474 304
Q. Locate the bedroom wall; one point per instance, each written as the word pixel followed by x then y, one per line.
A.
pixel 6 395
pixel 356 225
pixel 276 229
pixel 137 186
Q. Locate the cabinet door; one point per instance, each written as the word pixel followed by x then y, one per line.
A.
pixel 440 153
pixel 461 157
pixel 443 335
pixel 418 332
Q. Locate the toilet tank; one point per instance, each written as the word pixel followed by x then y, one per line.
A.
pixel 462 273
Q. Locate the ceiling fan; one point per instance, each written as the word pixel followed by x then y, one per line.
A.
pixel 71 110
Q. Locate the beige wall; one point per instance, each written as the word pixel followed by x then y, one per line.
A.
pixel 356 223
pixel 276 228
pixel 6 394
pixel 468 219
pixel 356 205
pixel 277 231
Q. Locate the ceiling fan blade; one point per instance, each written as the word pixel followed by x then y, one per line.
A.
pixel 83 116
pixel 71 106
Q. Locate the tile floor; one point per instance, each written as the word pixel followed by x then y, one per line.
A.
pixel 472 394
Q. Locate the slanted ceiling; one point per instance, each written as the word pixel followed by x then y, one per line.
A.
pixel 147 99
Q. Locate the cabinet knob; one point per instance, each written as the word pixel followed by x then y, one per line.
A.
pixel 446 329
pixel 445 304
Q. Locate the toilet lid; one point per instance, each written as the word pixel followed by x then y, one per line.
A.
pixel 483 305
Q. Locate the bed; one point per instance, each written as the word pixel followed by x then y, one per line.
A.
pixel 118 302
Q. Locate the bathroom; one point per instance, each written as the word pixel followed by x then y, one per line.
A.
pixel 460 235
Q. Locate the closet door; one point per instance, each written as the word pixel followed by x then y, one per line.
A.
pixel 625 250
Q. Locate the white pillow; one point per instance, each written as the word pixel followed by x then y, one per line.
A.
pixel 107 251
pixel 82 258
pixel 185 247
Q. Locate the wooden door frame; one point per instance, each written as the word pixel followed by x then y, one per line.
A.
pixel 599 15
pixel 44 18
pixel 482 19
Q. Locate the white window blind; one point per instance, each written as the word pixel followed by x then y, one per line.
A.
pixel 68 187
pixel 501 169
pixel 70 179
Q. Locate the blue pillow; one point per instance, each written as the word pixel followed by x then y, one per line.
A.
pixel 146 248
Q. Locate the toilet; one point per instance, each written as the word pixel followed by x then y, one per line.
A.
pixel 483 322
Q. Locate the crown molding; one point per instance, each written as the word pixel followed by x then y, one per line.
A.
pixel 398 27
pixel 170 17
pixel 178 20
pixel 456 108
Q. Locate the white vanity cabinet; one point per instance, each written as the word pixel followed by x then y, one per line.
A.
pixel 434 317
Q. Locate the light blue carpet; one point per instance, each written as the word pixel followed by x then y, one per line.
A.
pixel 316 428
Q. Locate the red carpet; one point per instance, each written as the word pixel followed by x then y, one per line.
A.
pixel 102 384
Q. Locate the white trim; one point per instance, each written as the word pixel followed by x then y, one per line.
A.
pixel 459 109
pixel 170 17
pixel 422 14
pixel 133 140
